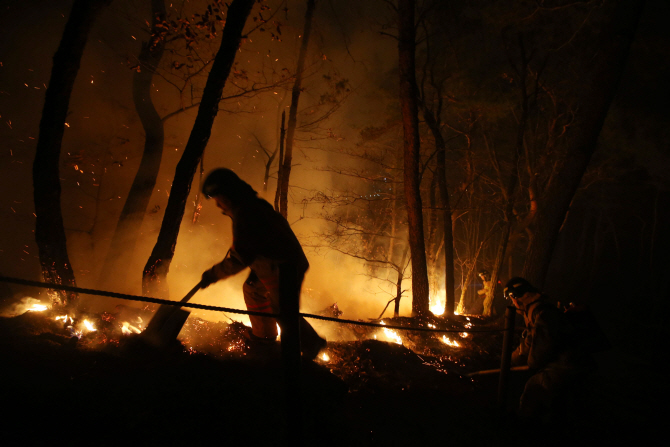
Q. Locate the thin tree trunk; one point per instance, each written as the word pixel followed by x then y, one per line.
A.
pixel 280 162
pixel 128 227
pixel 293 111
pixel 398 293
pixel 410 119
pixel 432 234
pixel 198 195
pixel 508 196
pixel 596 92
pixel 49 229
pixel 158 264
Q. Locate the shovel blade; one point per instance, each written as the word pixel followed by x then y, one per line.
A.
pixel 165 326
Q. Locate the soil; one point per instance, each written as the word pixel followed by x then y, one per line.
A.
pixel 104 388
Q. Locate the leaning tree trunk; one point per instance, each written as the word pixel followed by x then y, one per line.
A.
pixel 280 162
pixel 410 119
pixel 128 227
pixel 156 268
pixel 285 171
pixel 597 89
pixel 49 228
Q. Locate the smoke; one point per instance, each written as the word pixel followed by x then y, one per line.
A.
pixel 104 138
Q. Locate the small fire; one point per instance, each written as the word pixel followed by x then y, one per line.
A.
pixel 437 307
pixel 325 357
pixel 450 342
pixel 464 334
pixel 89 326
pixel 65 319
pixel 27 304
pixel 392 335
pixel 127 329
pixel 38 308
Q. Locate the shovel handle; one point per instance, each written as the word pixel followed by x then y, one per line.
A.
pixel 190 294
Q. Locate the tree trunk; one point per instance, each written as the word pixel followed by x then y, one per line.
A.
pixel 432 243
pixel 599 85
pixel 280 162
pixel 293 112
pixel 198 195
pixel 128 227
pixel 412 165
pixel 49 229
pixel 441 174
pixel 156 268
pixel 398 292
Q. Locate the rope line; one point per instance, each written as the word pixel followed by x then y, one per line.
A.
pixel 125 296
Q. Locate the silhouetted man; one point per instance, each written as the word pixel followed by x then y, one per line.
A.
pixel 264 242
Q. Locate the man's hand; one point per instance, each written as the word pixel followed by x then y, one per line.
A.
pixel 208 278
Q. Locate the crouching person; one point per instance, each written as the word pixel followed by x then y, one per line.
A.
pixel 264 242
pixel 549 346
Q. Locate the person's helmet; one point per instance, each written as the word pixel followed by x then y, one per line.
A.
pixel 485 274
pixel 518 287
pixel 226 183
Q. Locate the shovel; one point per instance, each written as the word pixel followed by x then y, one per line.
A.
pixel 167 322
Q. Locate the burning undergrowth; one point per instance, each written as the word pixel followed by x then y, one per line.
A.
pixel 365 358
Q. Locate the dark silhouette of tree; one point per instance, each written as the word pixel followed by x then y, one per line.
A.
pixel 601 68
pixel 128 226
pixel 286 160
pixel 412 163
pixel 49 229
pixel 158 264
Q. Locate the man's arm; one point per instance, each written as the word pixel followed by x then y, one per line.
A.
pixel 520 354
pixel 546 333
pixel 231 265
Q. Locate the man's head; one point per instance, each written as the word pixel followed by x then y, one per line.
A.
pixel 229 191
pixel 517 289
pixel 485 275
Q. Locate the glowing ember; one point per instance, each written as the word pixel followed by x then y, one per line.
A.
pixel 127 328
pixel 450 342
pixel 325 357
pixel 464 334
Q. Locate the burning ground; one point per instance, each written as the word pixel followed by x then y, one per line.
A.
pixel 86 379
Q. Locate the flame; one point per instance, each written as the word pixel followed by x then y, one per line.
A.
pixel 89 326
pixel 65 319
pixel 27 304
pixel 127 328
pixel 391 335
pixel 437 304
pixel 325 357
pixel 464 334
pixel 450 342
pixel 38 308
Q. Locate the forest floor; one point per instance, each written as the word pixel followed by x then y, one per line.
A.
pixel 101 389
